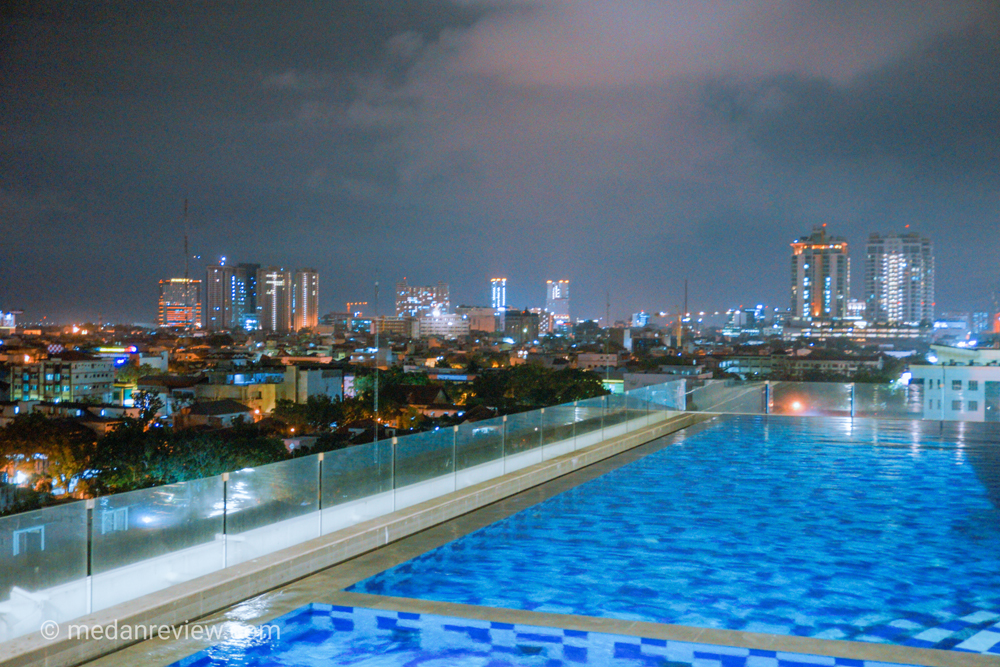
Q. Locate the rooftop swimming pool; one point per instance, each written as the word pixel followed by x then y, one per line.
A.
pixel 874 531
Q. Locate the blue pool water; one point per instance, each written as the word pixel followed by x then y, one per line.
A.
pixel 320 635
pixel 873 531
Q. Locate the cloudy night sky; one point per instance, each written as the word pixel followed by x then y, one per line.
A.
pixel 624 146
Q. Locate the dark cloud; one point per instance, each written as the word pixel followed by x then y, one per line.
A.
pixel 623 147
pixel 935 110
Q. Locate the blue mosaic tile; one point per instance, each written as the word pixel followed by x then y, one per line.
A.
pixel 441 640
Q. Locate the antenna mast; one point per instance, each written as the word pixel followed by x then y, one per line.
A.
pixel 686 311
pixel 187 280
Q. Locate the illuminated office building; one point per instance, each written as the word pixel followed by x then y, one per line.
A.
pixel 821 277
pixel 230 296
pixel 180 303
pixel 274 299
pixel 899 279
pixel 417 301
pixel 305 299
pixel 557 301
pixel 498 294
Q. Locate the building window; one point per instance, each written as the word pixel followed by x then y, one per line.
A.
pixel 956 406
pixel 956 385
pixel 973 385
pixel 973 406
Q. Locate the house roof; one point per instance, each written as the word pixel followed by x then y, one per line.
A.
pixel 225 406
pixel 170 381
pixel 424 395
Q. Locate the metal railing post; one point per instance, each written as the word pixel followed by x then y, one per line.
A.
pixel 541 432
pixel 392 445
pixel 319 490
pixel 454 456
pixel 503 443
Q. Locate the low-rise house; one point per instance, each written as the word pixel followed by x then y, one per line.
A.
pixel 214 414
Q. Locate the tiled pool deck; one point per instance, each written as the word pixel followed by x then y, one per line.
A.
pixel 603 640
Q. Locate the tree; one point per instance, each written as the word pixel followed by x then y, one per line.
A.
pixel 130 373
pixel 67 448
pixel 318 413
pixel 530 386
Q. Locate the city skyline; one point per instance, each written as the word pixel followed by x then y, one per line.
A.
pixel 624 151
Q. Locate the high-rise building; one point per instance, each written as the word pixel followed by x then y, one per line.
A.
pixel 899 279
pixel 305 299
pixel 521 326
pixel 416 301
pixel 231 296
pixel 557 301
pixel 218 299
pixel 980 322
pixel 274 299
pixel 180 303
pixel 821 277
pixel 244 296
pixel 498 294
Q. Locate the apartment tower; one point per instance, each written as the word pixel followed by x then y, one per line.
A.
pixel 821 277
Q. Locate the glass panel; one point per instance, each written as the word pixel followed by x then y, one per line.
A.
pixel 479 442
pixel 810 398
pixel 589 415
pixel 423 456
pixel 557 423
pixel 637 402
pixel 727 396
pixel 258 497
pixel 42 552
pixel 135 526
pixel 888 400
pixel 615 411
pixel 523 432
pixel 146 540
pixel 668 396
pixel 356 472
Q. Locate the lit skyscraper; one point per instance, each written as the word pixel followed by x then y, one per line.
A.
pixel 274 299
pixel 821 277
pixel 498 294
pixel 218 297
pixel 244 296
pixel 305 299
pixel 230 296
pixel 180 303
pixel 899 279
pixel 414 300
pixel 557 300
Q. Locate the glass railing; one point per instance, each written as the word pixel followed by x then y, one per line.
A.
pixel 63 562
pixel 812 399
